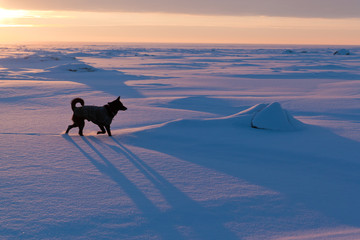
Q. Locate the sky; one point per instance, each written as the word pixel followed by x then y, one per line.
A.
pixel 333 22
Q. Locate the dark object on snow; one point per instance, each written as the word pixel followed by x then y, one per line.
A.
pixel 101 116
pixel 288 51
pixel 342 52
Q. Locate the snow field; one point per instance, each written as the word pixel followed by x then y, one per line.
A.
pixel 185 161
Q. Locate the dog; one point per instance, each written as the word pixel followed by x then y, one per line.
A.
pixel 101 116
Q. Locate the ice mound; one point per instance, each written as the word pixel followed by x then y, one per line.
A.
pixel 73 67
pixel 264 116
pixel 342 52
pixel 273 117
pixel 288 51
pixel 48 57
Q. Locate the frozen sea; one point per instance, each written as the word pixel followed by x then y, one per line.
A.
pixel 218 142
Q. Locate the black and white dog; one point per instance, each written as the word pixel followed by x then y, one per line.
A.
pixel 101 116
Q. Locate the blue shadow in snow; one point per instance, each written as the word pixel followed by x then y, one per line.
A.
pixel 184 211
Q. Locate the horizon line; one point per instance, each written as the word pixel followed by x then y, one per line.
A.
pixel 170 43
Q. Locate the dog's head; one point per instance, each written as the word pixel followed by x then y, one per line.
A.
pixel 116 105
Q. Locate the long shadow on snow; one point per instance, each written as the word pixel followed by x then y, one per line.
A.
pixel 198 218
pixel 139 198
pixel 326 183
pixel 185 211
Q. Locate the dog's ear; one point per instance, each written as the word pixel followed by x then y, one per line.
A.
pixel 118 98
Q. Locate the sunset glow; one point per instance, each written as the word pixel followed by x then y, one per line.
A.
pixel 100 26
pixel 6 14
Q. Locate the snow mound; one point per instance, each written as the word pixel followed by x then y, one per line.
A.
pixel 288 51
pixel 266 116
pixel 342 52
pixel 273 117
pixel 73 67
pixel 261 116
pixel 253 110
pixel 48 57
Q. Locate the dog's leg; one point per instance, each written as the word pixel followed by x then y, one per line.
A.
pixel 108 129
pixel 81 127
pixel 102 130
pixel 70 127
pixel 73 125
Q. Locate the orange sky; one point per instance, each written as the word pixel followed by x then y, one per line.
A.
pixel 19 26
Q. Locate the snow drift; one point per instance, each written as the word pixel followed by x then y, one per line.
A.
pixel 267 116
pixel 342 52
pixel 73 67
pixel 210 175
pixel 274 117
pixel 49 56
pixel 261 116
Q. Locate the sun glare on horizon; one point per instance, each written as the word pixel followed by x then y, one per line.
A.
pixel 9 14
pixel 18 25
pixel 8 18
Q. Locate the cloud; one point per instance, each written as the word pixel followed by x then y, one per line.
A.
pixel 281 8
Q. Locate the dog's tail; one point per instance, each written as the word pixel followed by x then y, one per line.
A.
pixel 75 101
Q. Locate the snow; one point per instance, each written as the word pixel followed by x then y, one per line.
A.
pixel 218 142
pixel 342 52
pixel 73 67
pixel 274 117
